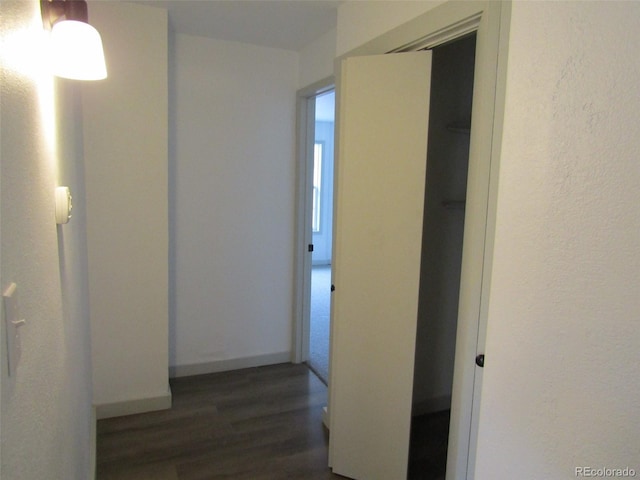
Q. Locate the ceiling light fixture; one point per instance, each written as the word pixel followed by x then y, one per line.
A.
pixel 76 46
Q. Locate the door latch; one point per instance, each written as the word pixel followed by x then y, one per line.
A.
pixel 480 360
pixel 310 247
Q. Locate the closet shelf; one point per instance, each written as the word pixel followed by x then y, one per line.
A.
pixel 459 128
pixel 454 204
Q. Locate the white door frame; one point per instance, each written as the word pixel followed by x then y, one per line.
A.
pixel 490 20
pixel 305 139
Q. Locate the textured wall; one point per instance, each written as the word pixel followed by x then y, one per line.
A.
pixel 232 189
pixel 561 383
pixel 46 420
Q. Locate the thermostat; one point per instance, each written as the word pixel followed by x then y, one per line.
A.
pixel 63 205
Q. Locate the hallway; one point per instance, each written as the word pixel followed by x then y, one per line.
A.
pixel 254 424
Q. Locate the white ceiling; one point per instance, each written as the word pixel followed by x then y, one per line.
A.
pixel 286 24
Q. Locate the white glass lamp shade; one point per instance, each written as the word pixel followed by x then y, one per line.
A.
pixel 77 51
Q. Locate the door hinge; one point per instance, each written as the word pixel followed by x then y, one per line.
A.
pixel 310 247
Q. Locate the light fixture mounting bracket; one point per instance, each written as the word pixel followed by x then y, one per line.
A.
pixel 55 10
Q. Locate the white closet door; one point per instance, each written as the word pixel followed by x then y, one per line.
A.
pixel 383 115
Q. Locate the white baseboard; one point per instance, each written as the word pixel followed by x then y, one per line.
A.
pixel 229 364
pixel 131 407
pixel 430 405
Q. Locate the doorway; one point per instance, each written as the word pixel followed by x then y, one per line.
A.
pixel 452 78
pixel 314 225
pixel 374 321
pixel 322 234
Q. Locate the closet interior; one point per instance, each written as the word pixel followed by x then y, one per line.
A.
pixel 442 238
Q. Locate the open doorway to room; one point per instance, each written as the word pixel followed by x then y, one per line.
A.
pixel 322 234
pixel 314 227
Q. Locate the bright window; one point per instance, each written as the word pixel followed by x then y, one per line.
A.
pixel 317 185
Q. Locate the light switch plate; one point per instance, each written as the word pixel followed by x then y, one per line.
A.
pixel 13 323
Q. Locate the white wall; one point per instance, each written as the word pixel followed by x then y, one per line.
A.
pixel 232 195
pixel 359 22
pixel 47 425
pixel 561 379
pixel 317 60
pixel 126 149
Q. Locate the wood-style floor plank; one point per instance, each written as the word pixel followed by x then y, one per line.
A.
pixel 255 424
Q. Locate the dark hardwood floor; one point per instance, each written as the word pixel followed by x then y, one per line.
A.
pixel 256 424
pixel 429 443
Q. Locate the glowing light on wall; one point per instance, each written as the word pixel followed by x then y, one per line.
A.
pixel 24 54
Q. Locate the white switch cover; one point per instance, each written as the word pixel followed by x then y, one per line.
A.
pixel 13 322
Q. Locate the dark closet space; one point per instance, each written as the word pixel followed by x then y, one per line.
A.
pixel 443 232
